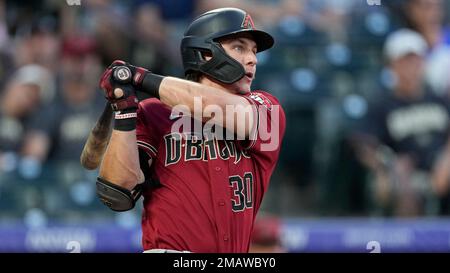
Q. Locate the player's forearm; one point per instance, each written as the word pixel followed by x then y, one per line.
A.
pixel 174 91
pixel 198 97
pixel 120 163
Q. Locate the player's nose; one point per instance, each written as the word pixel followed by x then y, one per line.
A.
pixel 251 59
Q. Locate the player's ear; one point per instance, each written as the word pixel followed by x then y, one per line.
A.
pixel 206 55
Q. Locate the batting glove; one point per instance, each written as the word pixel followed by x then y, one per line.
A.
pixel 119 91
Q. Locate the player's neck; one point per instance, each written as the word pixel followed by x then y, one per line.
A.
pixel 213 83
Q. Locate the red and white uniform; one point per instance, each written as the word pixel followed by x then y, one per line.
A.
pixel 210 189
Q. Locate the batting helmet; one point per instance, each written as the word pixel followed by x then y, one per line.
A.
pixel 203 34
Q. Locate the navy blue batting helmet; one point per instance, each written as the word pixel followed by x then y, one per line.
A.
pixel 203 34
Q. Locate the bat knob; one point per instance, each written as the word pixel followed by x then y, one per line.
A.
pixel 122 74
pixel 118 93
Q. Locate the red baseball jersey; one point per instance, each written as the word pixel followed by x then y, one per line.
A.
pixel 210 189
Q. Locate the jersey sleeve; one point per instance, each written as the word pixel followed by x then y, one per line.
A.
pixel 268 131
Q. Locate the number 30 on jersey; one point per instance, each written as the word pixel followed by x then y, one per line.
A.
pixel 242 195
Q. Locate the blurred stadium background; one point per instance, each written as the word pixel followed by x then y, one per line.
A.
pixel 326 67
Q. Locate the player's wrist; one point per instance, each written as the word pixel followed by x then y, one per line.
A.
pixel 138 74
pixel 151 83
pixel 125 120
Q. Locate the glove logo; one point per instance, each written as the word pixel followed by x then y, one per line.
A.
pixel 122 74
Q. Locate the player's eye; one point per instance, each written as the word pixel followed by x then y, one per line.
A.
pixel 239 48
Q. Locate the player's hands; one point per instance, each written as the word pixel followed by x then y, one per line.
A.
pixel 140 78
pixel 116 82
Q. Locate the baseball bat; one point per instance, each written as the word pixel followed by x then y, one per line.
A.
pixel 98 139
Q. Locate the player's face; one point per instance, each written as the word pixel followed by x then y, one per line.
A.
pixel 243 49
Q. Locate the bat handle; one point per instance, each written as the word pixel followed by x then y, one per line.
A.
pixel 102 128
pixel 97 141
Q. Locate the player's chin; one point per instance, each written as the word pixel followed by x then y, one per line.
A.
pixel 243 89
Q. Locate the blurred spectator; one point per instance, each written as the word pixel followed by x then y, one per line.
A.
pixel 79 56
pixel 170 10
pixel 266 236
pixel 150 47
pixel 405 132
pixel 106 20
pixel 67 123
pixel 427 18
pixel 6 62
pixel 332 18
pixel 36 41
pixel 30 90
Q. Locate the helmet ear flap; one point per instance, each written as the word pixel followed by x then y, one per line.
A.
pixel 222 67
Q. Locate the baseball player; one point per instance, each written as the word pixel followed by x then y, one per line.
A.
pixel 201 192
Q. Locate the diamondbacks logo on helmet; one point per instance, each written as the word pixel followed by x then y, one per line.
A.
pixel 248 22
